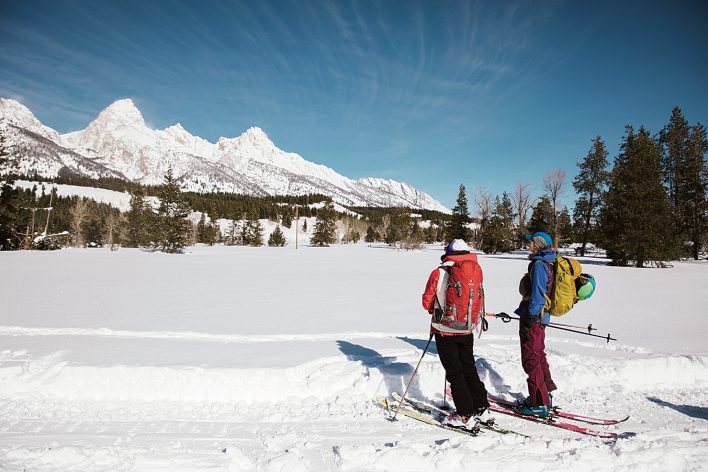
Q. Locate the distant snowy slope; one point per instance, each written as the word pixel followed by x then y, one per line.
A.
pixel 118 143
pixel 120 200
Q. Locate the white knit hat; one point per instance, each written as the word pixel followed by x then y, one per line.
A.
pixel 457 245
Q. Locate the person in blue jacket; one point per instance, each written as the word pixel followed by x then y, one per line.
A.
pixel 535 288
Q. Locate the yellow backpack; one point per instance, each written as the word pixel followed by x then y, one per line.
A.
pixel 564 295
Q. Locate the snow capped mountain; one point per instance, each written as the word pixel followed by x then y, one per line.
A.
pixel 393 187
pixel 18 114
pixel 118 143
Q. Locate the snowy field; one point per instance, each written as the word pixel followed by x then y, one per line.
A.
pixel 236 358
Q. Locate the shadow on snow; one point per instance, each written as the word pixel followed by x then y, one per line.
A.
pixel 396 375
pixel 699 412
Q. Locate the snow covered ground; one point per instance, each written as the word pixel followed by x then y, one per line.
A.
pixel 236 358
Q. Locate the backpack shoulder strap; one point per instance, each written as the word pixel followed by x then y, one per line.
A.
pixel 443 277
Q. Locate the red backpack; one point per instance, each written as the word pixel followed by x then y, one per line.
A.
pixel 459 299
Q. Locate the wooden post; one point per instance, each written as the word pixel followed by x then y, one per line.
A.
pixel 297 224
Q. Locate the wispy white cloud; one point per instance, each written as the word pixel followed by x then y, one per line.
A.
pixel 393 73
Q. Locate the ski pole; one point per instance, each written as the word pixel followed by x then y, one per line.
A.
pixel 588 327
pixel 444 393
pixel 608 338
pixel 506 318
pixel 412 376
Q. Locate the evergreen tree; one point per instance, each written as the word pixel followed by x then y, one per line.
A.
pixel 277 238
pixel 499 234
pixel 541 216
pixel 325 226
pixel 691 189
pixel 253 230
pixel 138 232
pixel 441 236
pixel 244 232
pixel 590 185
pixel 304 226
pixel 287 219
pixel 635 222
pixel 233 236
pixel 93 227
pixel 399 226
pixel 684 176
pixel 212 232
pixel 430 234
pixel 416 232
pixel 674 141
pixel 9 200
pixel 457 228
pixel 565 226
pixel 172 224
pixel 6 168
pixel 201 229
pixel 371 235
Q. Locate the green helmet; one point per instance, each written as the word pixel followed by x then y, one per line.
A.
pixel 585 286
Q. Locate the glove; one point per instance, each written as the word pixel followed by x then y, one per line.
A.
pixel 525 324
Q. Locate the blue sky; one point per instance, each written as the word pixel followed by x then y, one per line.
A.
pixel 433 93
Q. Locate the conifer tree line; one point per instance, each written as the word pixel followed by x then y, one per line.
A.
pixel 649 206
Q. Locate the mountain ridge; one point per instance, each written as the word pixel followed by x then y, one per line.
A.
pixel 118 143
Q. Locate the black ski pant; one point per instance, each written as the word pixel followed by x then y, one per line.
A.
pixel 457 357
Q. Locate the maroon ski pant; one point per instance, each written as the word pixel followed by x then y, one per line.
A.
pixel 533 359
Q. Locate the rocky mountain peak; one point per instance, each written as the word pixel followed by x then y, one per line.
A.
pixel 257 135
pixel 121 113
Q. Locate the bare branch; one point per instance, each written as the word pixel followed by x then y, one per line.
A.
pixel 522 203
pixel 483 201
pixel 554 185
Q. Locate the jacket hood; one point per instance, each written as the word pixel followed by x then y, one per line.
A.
pixel 459 257
pixel 547 255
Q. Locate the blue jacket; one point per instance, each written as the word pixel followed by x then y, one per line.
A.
pixel 539 286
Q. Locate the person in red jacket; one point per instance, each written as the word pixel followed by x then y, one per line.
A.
pixel 454 296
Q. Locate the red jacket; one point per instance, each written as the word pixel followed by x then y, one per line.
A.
pixel 432 284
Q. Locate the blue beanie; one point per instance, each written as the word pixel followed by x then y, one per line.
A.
pixel 540 238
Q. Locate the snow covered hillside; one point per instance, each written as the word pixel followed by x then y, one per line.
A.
pixel 237 358
pixel 119 200
pixel 118 143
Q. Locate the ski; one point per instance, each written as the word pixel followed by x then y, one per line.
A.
pixel 556 412
pixel 434 410
pixel 392 406
pixel 551 421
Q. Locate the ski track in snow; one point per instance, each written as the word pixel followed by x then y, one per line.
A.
pixel 190 335
pixel 107 399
